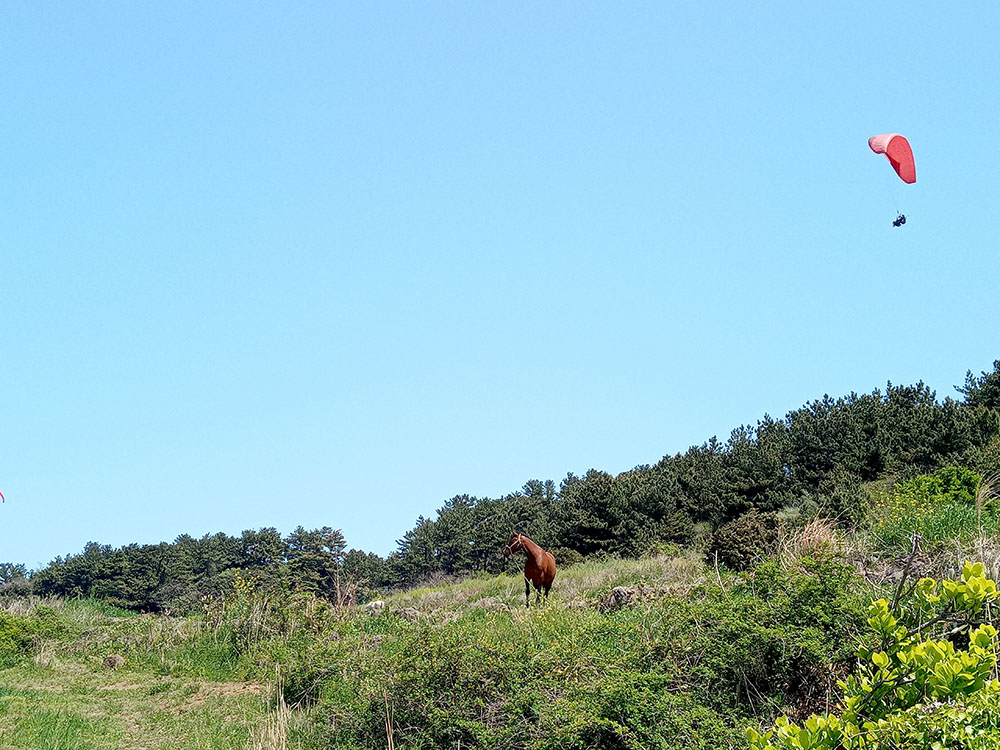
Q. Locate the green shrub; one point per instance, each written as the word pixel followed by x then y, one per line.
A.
pixel 913 690
pixel 772 640
pixel 742 543
pixel 545 678
pixel 251 615
pixel 663 672
pixel 17 635
pixel 820 592
pixel 632 711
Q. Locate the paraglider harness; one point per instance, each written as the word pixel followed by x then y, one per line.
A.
pixel 900 220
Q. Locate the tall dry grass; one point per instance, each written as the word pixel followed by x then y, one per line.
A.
pixel 817 536
pixel 271 733
pixel 25 605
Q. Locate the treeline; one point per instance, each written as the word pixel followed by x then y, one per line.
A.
pixel 177 576
pixel 811 461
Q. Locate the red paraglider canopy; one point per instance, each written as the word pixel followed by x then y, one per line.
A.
pixel 897 150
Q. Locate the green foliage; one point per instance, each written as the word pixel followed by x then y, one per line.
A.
pixel 982 390
pixel 816 457
pixel 634 711
pixel 912 690
pixel 10 572
pixel 314 560
pixel 970 725
pixel 742 543
pixel 176 577
pixel 952 484
pixel 940 507
pixel 663 673
pixel 367 570
pixel 17 635
pixel 775 638
pixel 821 592
pixel 250 616
pixel 546 678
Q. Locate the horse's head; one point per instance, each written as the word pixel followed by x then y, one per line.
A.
pixel 514 545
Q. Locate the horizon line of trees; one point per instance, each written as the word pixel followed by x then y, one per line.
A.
pixel 813 460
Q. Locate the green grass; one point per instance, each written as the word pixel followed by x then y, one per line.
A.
pixel 177 688
pixel 698 654
pixel 577 584
pixel 686 665
pixel 947 509
pixel 77 705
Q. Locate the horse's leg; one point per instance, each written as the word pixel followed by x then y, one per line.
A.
pixel 527 598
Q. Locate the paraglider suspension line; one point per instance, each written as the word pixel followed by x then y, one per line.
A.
pixel 890 189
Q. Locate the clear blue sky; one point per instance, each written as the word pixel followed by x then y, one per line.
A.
pixel 333 263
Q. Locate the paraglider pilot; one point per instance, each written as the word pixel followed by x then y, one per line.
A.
pixel 900 220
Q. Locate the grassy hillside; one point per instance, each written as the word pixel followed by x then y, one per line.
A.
pixel 663 651
pixel 682 648
pixel 67 687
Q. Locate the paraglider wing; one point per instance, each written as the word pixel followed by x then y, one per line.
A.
pixel 897 150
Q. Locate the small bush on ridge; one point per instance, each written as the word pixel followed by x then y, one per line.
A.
pixel 742 543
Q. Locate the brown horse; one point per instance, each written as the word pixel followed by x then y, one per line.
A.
pixel 539 570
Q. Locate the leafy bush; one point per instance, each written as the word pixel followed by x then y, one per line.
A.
pixel 742 543
pixel 250 616
pixel 541 679
pixel 17 635
pixel 666 671
pixel 634 711
pixel 776 638
pixel 913 691
pixel 817 592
